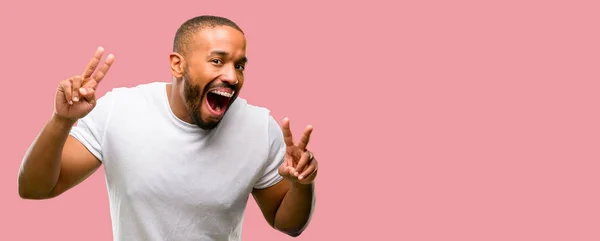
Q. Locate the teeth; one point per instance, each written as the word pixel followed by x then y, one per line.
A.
pixel 223 93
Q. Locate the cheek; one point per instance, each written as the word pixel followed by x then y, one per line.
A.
pixel 192 95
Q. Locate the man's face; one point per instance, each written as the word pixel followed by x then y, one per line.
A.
pixel 214 74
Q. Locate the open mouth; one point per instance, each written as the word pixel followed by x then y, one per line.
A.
pixel 218 100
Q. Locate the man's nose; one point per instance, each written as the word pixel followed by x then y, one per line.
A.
pixel 229 76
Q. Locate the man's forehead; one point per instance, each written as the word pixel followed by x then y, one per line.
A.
pixel 222 38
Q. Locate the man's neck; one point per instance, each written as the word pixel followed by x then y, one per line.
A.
pixel 176 102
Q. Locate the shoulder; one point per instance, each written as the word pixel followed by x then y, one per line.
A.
pixel 253 118
pixel 265 118
pixel 125 96
pixel 243 104
pixel 243 111
pixel 146 89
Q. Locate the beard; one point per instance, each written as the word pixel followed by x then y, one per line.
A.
pixel 193 97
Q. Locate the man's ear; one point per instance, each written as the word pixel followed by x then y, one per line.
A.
pixel 177 65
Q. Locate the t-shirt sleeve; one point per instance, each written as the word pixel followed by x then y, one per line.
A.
pixel 277 148
pixel 90 130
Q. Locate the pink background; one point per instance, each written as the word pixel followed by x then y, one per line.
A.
pixel 434 120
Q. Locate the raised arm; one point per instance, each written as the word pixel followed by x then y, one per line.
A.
pixel 56 161
pixel 288 205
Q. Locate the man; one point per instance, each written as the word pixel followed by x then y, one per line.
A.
pixel 180 158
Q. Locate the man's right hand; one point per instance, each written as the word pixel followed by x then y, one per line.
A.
pixel 75 97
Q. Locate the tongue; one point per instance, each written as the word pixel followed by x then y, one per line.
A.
pixel 217 102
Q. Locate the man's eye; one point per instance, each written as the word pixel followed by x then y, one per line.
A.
pixel 216 61
pixel 241 67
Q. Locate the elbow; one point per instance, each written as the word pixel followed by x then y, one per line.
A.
pixel 293 229
pixel 30 193
pixel 294 233
pixel 24 191
pixel 26 194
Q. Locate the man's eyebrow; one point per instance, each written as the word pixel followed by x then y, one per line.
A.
pixel 219 52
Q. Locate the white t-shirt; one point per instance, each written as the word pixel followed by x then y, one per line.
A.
pixel 170 180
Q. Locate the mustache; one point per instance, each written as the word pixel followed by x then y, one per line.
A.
pixel 221 84
pixel 213 85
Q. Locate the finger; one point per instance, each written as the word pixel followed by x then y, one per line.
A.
pixel 291 171
pixel 89 69
pixel 309 172
pixel 289 162
pixel 305 138
pixel 76 81
pixel 287 134
pixel 286 171
pixel 283 170
pixel 88 94
pixel 99 75
pixel 66 87
pixel 286 162
pixel 91 83
pixel 304 161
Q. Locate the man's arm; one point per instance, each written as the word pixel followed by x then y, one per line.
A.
pixel 287 206
pixel 55 162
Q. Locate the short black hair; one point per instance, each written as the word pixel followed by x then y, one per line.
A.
pixel 185 32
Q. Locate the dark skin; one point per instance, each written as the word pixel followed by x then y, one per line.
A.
pixel 288 205
pixel 217 56
pixel 56 162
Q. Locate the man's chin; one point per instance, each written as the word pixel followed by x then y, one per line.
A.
pixel 201 120
pixel 207 121
pixel 208 125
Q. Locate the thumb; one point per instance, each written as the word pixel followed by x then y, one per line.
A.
pixel 286 170
pixel 89 94
pixel 283 169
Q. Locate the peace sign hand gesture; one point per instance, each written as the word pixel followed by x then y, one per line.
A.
pixel 75 96
pixel 299 164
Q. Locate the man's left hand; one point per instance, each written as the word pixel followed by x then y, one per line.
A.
pixel 299 164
